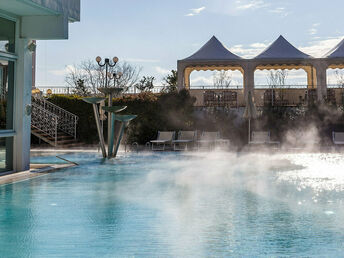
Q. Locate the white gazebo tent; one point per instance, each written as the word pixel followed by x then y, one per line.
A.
pixel 211 56
pixel 283 55
pixel 279 55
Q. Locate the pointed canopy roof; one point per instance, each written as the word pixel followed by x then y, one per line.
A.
pixel 282 49
pixel 213 50
pixel 337 51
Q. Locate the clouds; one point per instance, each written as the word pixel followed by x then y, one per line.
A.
pixel 281 11
pixel 249 51
pixel 62 72
pixel 316 48
pixel 319 48
pixel 314 29
pixel 196 11
pixel 161 70
pixel 277 10
pixel 243 7
pixel 141 60
pixel 202 80
pixel 247 5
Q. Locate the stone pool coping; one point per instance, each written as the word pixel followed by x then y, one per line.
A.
pixel 36 170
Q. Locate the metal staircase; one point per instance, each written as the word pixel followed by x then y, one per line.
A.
pixel 53 124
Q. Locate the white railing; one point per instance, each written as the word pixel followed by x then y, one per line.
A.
pixel 44 121
pixel 261 86
pixel 64 90
pixel 67 121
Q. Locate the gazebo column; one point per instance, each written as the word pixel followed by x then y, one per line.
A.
pixel 311 77
pixel 248 80
pixel 321 78
pixel 180 75
pixel 187 73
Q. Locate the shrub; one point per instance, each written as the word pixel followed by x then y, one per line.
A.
pixel 165 111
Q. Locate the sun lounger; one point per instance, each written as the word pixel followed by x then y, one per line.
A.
pixel 222 143
pixel 185 139
pixel 338 137
pixel 163 139
pixel 208 139
pixel 262 137
pixel 212 139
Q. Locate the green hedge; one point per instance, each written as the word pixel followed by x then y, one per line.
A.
pixel 174 111
pixel 166 111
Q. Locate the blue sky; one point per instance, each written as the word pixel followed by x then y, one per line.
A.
pixel 154 34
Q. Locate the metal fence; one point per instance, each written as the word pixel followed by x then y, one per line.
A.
pixel 260 86
pixel 65 90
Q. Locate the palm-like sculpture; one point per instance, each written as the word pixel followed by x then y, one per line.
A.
pixel 117 124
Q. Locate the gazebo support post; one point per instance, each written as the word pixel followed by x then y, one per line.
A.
pixel 248 81
pixel 180 76
pixel 321 76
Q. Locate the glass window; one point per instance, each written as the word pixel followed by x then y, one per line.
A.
pixel 7 35
pixel 6 94
pixel 6 154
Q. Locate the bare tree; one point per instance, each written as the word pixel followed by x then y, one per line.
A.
pixel 277 80
pixel 340 78
pixel 74 74
pixel 222 79
pixel 340 81
pixel 94 76
pixel 80 89
pixel 130 75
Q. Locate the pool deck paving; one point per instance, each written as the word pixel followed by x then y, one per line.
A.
pixel 36 170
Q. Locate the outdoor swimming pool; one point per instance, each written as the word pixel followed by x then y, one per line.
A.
pixel 178 205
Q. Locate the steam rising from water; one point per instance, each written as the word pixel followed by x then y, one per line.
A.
pixel 306 138
pixel 256 172
pixel 216 192
pixel 207 204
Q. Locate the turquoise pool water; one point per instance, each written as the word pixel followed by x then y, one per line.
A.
pixel 178 205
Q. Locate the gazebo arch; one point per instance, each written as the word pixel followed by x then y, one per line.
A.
pixel 334 59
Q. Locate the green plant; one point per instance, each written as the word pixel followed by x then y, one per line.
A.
pixel 165 111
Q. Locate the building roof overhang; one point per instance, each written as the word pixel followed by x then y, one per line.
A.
pixel 19 8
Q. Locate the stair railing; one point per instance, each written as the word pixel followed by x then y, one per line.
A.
pixel 67 121
pixel 44 121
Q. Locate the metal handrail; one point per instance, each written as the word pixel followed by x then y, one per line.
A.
pixel 45 121
pixel 158 88
pixel 67 121
pixel 65 90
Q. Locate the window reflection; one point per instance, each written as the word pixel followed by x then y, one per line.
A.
pixel 6 151
pixel 7 35
pixel 6 94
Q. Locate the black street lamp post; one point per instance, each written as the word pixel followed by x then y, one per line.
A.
pixel 107 64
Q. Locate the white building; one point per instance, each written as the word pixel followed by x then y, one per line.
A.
pixel 21 22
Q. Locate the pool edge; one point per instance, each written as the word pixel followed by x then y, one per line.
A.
pixel 35 171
